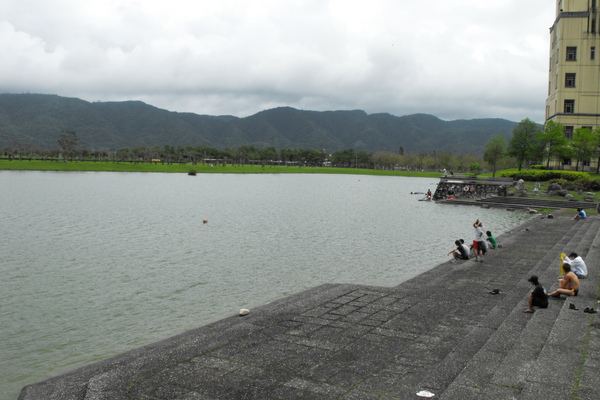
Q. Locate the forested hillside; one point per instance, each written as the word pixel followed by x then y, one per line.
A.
pixel 38 120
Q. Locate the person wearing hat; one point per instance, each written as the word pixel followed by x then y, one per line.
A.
pixel 538 296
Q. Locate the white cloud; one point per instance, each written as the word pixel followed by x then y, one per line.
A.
pixel 459 59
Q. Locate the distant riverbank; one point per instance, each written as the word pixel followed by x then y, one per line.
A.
pixel 39 165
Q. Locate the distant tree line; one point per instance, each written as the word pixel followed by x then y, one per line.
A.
pixel 530 145
pixel 383 160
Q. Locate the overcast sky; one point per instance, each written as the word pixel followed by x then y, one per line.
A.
pixel 458 59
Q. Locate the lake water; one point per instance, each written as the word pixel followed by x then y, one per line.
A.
pixel 93 264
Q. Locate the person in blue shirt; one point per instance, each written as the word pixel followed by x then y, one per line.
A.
pixel 580 214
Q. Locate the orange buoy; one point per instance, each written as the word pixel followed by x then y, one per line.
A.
pixel 204 221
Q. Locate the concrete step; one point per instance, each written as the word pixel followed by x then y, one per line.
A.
pixel 513 374
pixel 500 368
pixel 574 332
pixel 478 204
pixel 470 312
pixel 495 328
pixel 536 202
pixel 521 203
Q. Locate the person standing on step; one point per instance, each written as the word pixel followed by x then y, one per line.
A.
pixel 568 285
pixel 537 297
pixel 478 241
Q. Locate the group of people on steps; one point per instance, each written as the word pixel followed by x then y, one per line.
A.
pixel 481 242
pixel 572 269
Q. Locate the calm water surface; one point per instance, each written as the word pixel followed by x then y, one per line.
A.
pixel 93 264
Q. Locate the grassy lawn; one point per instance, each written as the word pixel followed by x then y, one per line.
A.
pixel 542 194
pixel 38 165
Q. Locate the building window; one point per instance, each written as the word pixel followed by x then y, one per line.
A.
pixel 568 133
pixel 566 161
pixel 569 80
pixel 569 106
pixel 593 53
pixel 586 163
pixel 571 53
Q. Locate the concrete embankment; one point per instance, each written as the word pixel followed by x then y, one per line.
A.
pixel 442 332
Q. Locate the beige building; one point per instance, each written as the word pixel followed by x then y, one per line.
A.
pixel 574 77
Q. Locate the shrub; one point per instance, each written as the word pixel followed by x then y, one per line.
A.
pixel 545 175
pixel 541 166
pixel 583 183
pixel 587 184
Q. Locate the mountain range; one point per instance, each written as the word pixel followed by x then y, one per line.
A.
pixel 39 120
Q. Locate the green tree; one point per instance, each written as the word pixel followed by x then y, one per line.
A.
pixel 597 149
pixel 385 160
pixel 584 144
pixel 494 151
pixel 554 143
pixel 268 154
pixel 343 158
pixel 412 161
pixel 67 142
pixel 523 143
pixel 475 167
pixel 364 159
pixel 445 160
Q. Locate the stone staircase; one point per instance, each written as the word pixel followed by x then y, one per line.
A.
pixel 507 354
pixel 536 203
pixel 523 202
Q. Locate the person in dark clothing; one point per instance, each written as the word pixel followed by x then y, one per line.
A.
pixel 461 252
pixel 538 296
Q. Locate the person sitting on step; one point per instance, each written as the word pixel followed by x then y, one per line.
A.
pixel 461 252
pixel 568 285
pixel 577 265
pixel 537 297
pixel 580 215
pixel 492 240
